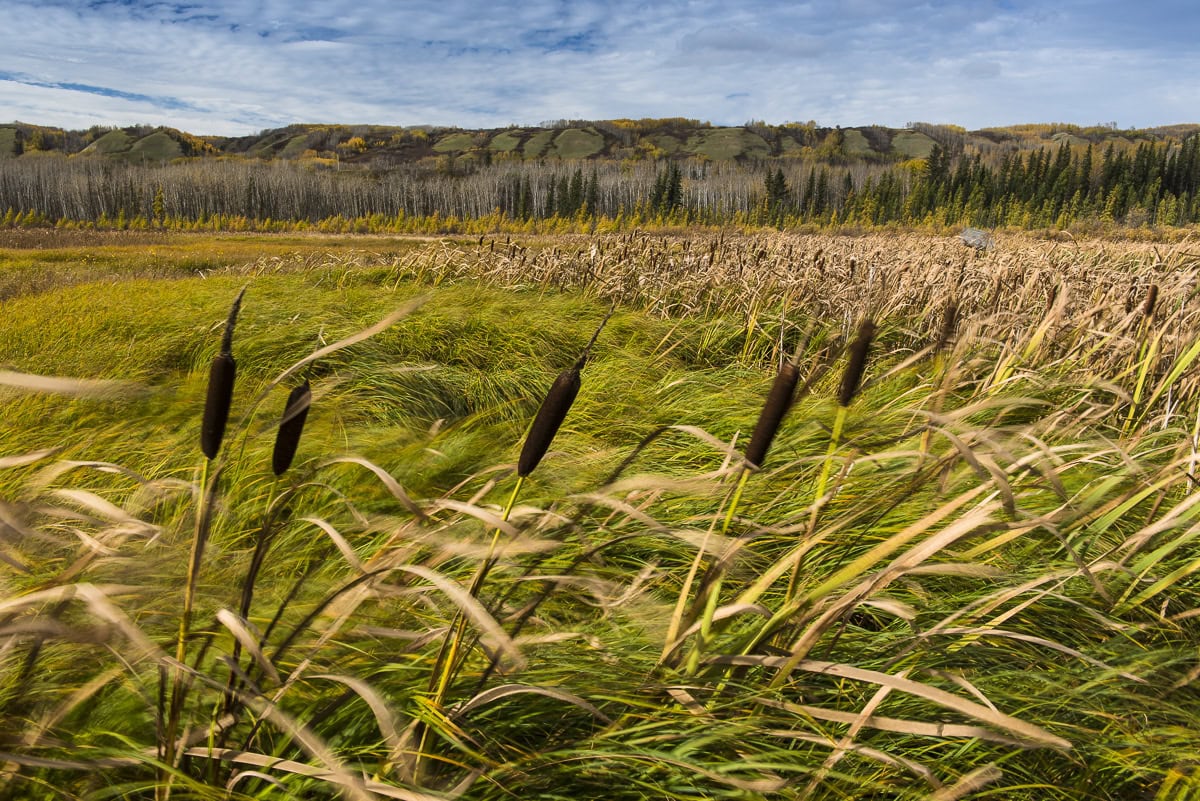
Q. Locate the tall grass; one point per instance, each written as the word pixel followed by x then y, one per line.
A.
pixel 997 596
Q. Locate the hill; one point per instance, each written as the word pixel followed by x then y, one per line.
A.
pixel 380 147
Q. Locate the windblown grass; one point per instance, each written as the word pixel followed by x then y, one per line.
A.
pixel 996 594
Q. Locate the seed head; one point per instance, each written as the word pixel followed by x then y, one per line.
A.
pixel 949 323
pixel 217 403
pixel 856 364
pixel 779 400
pixel 549 417
pixel 1151 300
pixel 220 388
pixel 290 427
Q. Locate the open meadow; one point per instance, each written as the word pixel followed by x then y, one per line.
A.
pixel 799 516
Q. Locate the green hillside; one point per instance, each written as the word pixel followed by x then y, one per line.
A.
pixel 373 146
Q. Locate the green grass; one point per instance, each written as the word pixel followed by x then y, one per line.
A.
pixel 975 594
pixel 158 147
pixel 294 147
pixel 912 144
pixel 854 143
pixel 725 144
pixel 577 143
pixel 505 142
pixel 667 143
pixel 8 139
pixel 536 145
pixel 455 143
pixel 112 142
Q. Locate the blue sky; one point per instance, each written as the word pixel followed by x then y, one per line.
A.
pixel 239 66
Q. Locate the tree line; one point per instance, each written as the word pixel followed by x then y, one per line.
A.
pixel 1154 184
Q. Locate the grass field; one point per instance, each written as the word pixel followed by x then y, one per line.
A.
pixel 578 143
pixel 8 139
pixel 966 570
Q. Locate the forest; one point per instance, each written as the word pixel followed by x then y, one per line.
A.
pixel 1064 182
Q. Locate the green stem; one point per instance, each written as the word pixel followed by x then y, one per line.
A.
pixel 835 439
pixel 713 595
pixel 180 684
pixel 448 657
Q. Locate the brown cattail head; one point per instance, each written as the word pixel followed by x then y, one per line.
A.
pixel 949 323
pixel 216 405
pixel 779 400
pixel 555 406
pixel 856 364
pixel 549 417
pixel 290 428
pixel 1151 300
pixel 220 388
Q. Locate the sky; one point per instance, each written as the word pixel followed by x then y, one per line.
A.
pixel 237 67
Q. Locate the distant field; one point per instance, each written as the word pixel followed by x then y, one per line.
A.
pixel 727 143
pixel 157 147
pixel 575 143
pixel 536 145
pixel 855 144
pixel 111 142
pixel 8 138
pixel 455 143
pixel 964 566
pixel 913 144
pixel 506 142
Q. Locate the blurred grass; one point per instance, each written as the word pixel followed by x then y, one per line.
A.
pixel 1001 616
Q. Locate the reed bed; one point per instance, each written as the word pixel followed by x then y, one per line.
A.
pixel 948 551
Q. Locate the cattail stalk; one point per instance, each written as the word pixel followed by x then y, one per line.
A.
pixel 212 431
pixel 287 439
pixel 779 401
pixel 856 365
pixel 949 323
pixel 546 422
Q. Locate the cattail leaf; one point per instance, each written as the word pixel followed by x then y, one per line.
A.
pixel 287 439
pixel 216 406
pixel 779 400
pixel 549 417
pixel 856 364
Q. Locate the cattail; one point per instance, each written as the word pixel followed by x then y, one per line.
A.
pixel 554 408
pixel 220 388
pixel 290 428
pixel 549 417
pixel 1151 300
pixel 779 400
pixel 856 364
pixel 949 322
